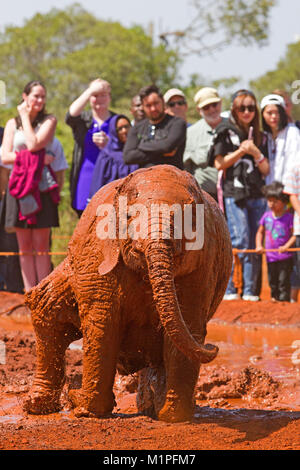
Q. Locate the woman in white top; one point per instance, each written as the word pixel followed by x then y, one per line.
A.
pixel 283 138
pixel 284 152
pixel 33 129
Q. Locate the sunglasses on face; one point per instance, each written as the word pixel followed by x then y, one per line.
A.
pixel 179 103
pixel 251 108
pixel 126 126
pixel 206 108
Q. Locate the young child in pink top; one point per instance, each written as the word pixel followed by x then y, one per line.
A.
pixel 276 232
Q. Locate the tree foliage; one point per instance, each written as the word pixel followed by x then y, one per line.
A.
pixel 68 48
pixel 218 23
pixel 285 76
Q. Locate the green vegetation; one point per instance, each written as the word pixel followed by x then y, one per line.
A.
pixel 284 77
pixel 66 49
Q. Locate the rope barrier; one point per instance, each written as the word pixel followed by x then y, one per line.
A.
pixel 64 253
pixel 237 277
pixel 236 250
pixel 38 253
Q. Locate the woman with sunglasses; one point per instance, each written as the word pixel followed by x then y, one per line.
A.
pixel 240 151
pixel 110 165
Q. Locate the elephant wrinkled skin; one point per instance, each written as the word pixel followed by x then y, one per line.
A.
pixel 138 302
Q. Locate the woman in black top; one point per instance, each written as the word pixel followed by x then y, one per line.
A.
pixel 239 150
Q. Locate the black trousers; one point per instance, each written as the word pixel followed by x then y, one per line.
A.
pixel 10 271
pixel 279 275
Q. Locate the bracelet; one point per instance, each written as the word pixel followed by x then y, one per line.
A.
pixel 260 160
pixel 49 152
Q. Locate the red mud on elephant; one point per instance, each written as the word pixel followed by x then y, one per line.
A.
pixel 139 298
pixel 247 398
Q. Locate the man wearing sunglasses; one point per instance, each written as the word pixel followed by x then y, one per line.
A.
pixel 175 102
pixel 199 139
pixel 159 139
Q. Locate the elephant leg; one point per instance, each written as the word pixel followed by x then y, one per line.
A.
pixel 182 373
pixel 51 346
pixel 56 325
pixel 101 344
pixel 181 378
pixel 151 391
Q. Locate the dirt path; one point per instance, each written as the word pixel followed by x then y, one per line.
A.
pixel 240 404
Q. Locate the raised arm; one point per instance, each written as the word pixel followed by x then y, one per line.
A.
pixel 36 140
pixel 95 87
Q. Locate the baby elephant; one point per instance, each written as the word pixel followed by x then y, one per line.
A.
pixel 147 267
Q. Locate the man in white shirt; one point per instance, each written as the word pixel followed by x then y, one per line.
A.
pixel 199 139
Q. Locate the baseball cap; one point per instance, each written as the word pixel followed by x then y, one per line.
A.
pixel 206 96
pixel 172 92
pixel 272 99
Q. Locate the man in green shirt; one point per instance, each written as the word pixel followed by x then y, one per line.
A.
pixel 199 139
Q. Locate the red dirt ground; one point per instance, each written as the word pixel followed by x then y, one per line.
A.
pixel 238 408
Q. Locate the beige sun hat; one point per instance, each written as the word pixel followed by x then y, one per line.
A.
pixel 206 96
pixel 173 92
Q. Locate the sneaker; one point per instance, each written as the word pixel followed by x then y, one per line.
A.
pixel 251 298
pixel 231 297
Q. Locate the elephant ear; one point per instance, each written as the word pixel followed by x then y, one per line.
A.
pixel 105 201
pixel 111 253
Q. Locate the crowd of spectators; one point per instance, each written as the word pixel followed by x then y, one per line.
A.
pixel 246 158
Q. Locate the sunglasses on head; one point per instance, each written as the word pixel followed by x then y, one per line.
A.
pixel 251 108
pixel 242 92
pixel 126 126
pixel 214 105
pixel 179 103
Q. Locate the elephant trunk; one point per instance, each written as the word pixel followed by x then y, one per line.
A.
pixel 159 258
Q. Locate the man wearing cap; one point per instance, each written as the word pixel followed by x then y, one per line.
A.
pixel 176 104
pixel 199 139
pixel 160 138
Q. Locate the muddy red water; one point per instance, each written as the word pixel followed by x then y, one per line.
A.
pixel 248 398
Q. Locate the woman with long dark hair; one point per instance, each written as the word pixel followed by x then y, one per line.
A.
pixel 284 154
pixel 283 138
pixel 32 130
pixel 239 150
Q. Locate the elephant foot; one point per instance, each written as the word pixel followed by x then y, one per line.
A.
pixel 174 411
pixel 89 407
pixel 38 403
pixel 81 412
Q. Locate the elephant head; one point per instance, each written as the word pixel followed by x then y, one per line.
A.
pixel 152 248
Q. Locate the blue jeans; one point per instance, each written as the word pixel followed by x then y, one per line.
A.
pixel 243 225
